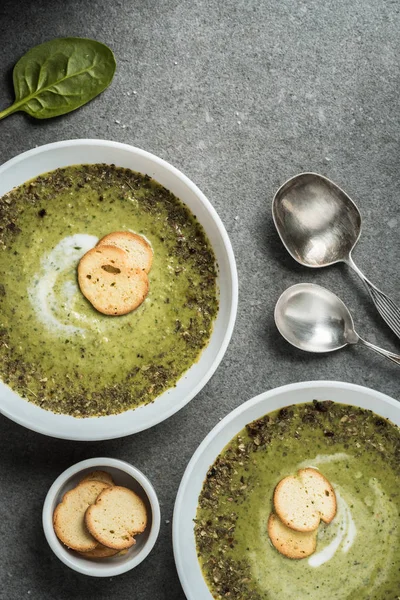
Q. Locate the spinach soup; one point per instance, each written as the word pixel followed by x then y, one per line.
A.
pixel 357 556
pixel 56 350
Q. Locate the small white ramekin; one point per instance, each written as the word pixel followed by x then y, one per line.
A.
pixel 123 474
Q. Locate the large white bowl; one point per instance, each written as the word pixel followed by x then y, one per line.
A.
pixel 61 154
pixel 186 503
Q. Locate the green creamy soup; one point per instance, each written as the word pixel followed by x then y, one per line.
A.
pixel 358 553
pixel 56 350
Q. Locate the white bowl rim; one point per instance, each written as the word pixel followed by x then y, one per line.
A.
pixel 129 429
pixel 213 434
pixel 108 570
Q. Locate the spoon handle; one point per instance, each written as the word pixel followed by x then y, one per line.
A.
pixel 388 310
pixel 390 355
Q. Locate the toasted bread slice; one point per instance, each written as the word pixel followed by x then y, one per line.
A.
pixel 109 282
pixel 99 552
pixel 116 517
pixel 99 476
pixel 68 519
pixel 138 249
pixel 290 543
pixel 301 501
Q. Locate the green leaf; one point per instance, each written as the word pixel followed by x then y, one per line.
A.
pixel 59 76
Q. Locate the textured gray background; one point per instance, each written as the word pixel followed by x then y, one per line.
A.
pixel 239 95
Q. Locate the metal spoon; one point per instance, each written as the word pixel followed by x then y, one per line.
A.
pixel 319 225
pixel 312 318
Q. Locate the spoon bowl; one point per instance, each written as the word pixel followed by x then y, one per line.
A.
pixel 316 220
pixel 314 319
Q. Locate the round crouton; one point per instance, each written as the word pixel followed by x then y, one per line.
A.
pixel 303 500
pixel 109 282
pixel 290 543
pixel 68 519
pixel 139 251
pixel 117 516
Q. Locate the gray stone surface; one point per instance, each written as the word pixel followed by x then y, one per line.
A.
pixel 240 95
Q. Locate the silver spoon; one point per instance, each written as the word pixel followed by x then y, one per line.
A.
pixel 319 225
pixel 312 318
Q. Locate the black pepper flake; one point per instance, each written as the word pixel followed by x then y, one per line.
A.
pixel 13 227
pixel 322 406
pixel 285 413
pixel 309 417
pixel 329 434
pixel 42 212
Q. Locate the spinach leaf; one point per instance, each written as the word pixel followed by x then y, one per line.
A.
pixel 59 76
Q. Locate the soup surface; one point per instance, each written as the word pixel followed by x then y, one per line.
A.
pixel 357 555
pixel 56 350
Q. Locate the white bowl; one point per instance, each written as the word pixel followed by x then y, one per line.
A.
pixel 61 154
pixel 123 474
pixel 186 503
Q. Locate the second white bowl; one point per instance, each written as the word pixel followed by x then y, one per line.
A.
pixel 185 510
